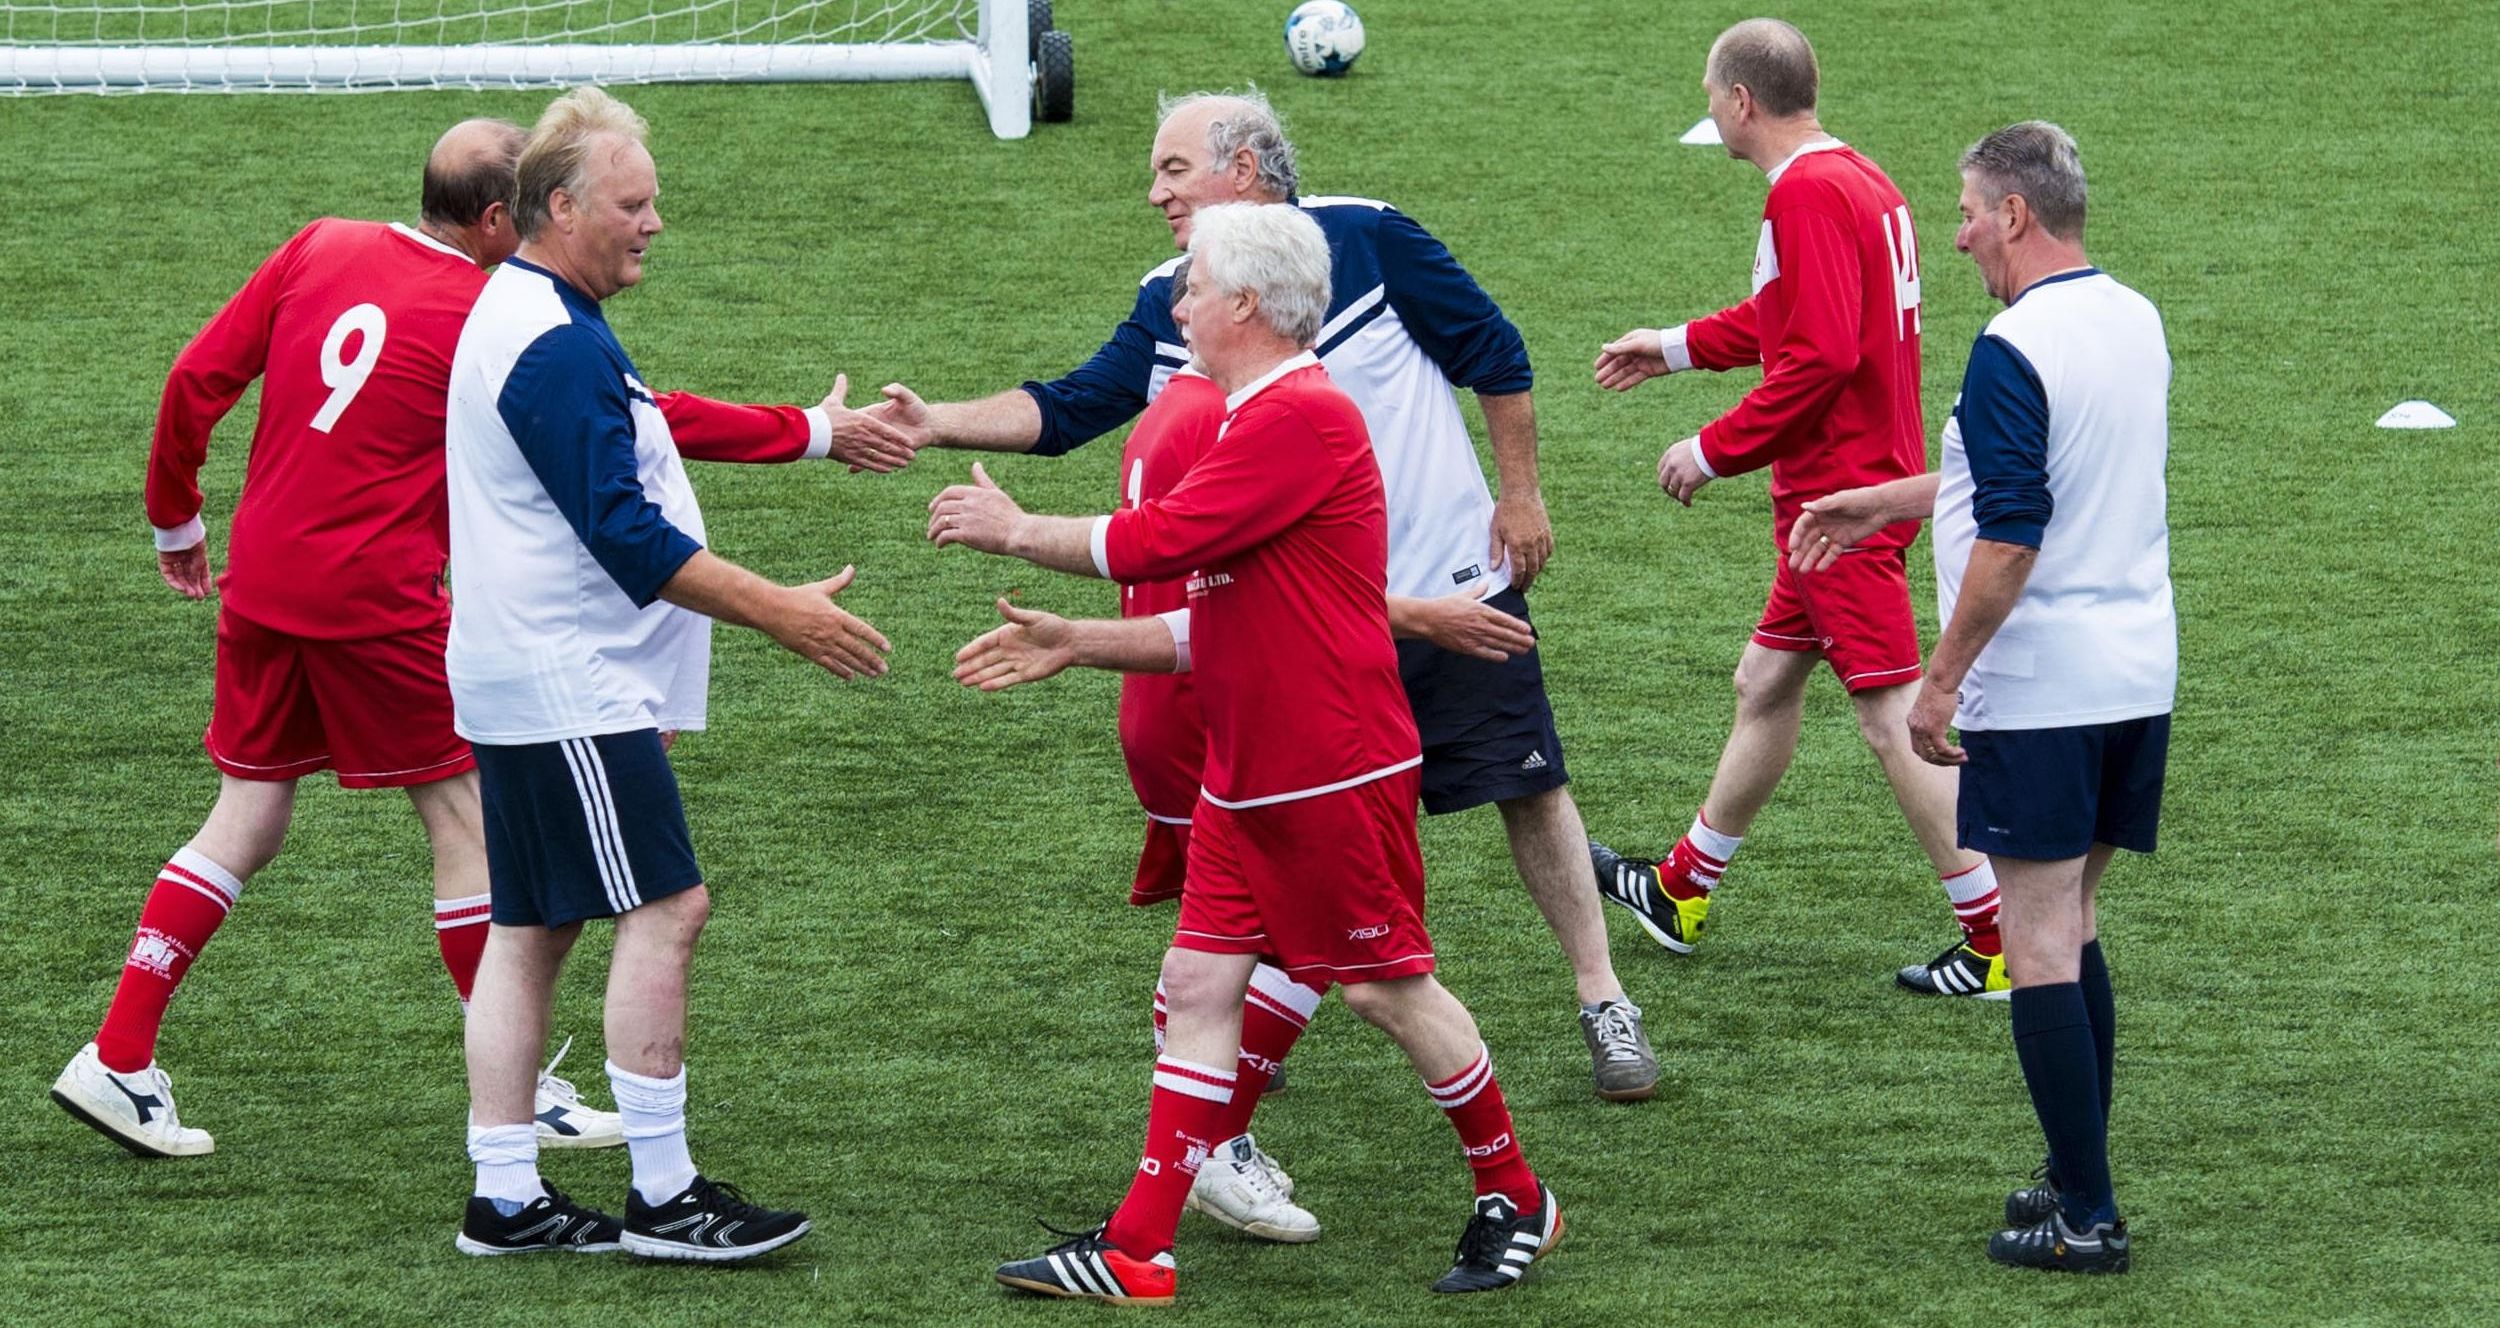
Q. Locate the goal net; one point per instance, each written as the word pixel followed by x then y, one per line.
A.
pixel 107 46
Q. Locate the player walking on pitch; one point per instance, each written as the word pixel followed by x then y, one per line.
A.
pixel 2059 657
pixel 1834 323
pixel 581 625
pixel 1303 848
pixel 331 626
pixel 1405 325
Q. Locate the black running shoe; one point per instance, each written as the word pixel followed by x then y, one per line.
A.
pixel 1092 1268
pixel 1959 971
pixel 550 1222
pixel 710 1223
pixel 1633 882
pixel 2052 1245
pixel 2035 1203
pixel 1498 1245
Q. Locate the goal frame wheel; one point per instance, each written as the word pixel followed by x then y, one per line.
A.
pixel 1036 22
pixel 1054 79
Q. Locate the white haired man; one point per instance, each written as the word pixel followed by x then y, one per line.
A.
pixel 1304 849
pixel 582 608
pixel 1406 324
pixel 1833 323
pixel 2059 657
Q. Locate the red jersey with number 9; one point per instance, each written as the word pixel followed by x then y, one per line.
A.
pixel 342 525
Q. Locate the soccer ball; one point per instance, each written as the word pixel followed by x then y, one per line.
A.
pixel 1323 37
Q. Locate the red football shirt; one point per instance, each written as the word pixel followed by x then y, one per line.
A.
pixel 1162 734
pixel 1283 532
pixel 342 528
pixel 1834 323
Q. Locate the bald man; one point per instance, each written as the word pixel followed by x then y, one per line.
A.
pixel 331 629
pixel 1406 327
pixel 1833 324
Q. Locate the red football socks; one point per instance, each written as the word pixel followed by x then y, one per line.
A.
pixel 1472 1099
pixel 1181 1125
pixel 192 895
pixel 1693 868
pixel 1973 891
pixel 460 933
pixel 1273 1015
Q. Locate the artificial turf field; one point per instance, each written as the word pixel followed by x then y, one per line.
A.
pixel 920 1012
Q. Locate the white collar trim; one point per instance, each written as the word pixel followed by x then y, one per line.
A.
pixel 429 241
pixel 1820 145
pixel 1234 403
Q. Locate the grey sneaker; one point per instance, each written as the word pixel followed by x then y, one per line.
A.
pixel 1626 1069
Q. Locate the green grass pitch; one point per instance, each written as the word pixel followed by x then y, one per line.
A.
pixel 921 1011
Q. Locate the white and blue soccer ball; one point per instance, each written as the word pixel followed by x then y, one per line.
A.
pixel 1323 37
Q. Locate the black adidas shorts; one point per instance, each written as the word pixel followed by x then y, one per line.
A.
pixel 1487 728
pixel 2051 794
pixel 582 828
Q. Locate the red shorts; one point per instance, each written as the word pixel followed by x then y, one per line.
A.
pixel 1856 612
pixel 1164 743
pixel 1163 864
pixel 1329 889
pixel 377 710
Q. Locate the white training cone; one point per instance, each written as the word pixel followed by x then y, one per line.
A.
pixel 2416 415
pixel 1703 135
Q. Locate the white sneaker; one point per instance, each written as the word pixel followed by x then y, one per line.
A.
pixel 1275 1169
pixel 133 1110
pixel 1236 1188
pixel 563 1122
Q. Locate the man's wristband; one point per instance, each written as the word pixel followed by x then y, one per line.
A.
pixel 1671 344
pixel 179 539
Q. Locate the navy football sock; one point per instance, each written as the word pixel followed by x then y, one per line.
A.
pixel 2104 1014
pixel 2053 1041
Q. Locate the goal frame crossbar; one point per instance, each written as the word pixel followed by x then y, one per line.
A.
pixel 995 61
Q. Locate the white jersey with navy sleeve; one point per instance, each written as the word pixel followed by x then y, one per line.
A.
pixel 1406 327
pixel 2059 442
pixel 569 510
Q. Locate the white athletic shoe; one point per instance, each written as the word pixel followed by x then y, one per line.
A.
pixel 1236 1188
pixel 133 1110
pixel 563 1122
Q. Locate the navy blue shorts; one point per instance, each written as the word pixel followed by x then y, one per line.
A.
pixel 2051 794
pixel 582 828
pixel 1487 728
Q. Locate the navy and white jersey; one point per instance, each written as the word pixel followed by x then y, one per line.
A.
pixel 2059 442
pixel 569 510
pixel 1406 326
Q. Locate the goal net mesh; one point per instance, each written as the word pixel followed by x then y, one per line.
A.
pixel 370 45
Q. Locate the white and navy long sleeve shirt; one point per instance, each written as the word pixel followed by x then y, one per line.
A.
pixel 1406 326
pixel 569 510
pixel 2059 442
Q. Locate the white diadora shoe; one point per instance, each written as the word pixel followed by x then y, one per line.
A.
pixel 1236 1188
pixel 133 1110
pixel 563 1122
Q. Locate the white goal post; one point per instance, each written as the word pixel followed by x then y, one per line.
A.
pixel 109 46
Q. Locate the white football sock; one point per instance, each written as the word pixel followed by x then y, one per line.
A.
pixel 507 1163
pixel 1718 847
pixel 654 1111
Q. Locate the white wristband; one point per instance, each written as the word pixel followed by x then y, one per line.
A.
pixel 1176 621
pixel 1699 459
pixel 1671 343
pixel 189 535
pixel 819 434
pixel 1101 547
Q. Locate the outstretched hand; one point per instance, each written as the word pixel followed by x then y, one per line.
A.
pixel 978 515
pixel 861 437
pixel 186 570
pixel 814 628
pixel 1030 646
pixel 1631 360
